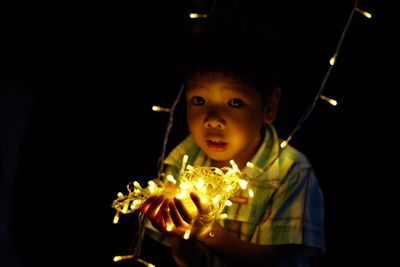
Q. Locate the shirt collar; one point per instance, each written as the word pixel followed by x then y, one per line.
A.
pixel 265 161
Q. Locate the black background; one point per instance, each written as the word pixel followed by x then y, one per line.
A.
pixel 79 78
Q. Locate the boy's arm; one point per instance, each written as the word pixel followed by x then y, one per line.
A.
pixel 188 252
pixel 230 249
pixel 235 251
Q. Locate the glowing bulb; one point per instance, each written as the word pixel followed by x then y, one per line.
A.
pixel 125 208
pixel 364 13
pixel 183 186
pixel 251 165
pixel 120 258
pixel 169 228
pixel 180 195
pixel 234 166
pixel 243 184
pixel 116 218
pixel 151 186
pixel 223 216
pixel 120 194
pixel 251 193
pixel 331 101
pixel 135 203
pixel 171 179
pixel 229 188
pixel 285 142
pixel 216 199
pixel 197 15
pixel 187 234
pixel 158 108
pixel 145 263
pixel 136 184
pixel 333 59
pixel 228 202
pixel 200 183
pixel 218 170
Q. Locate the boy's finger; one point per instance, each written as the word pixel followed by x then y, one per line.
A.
pixel 160 216
pixel 185 214
pixel 175 216
pixel 203 209
pixel 167 216
pixel 145 206
pixel 155 206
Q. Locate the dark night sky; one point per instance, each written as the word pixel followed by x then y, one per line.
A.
pixel 77 84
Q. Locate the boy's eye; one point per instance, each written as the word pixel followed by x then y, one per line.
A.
pixel 197 100
pixel 235 103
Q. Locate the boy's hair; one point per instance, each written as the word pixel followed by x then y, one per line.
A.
pixel 234 45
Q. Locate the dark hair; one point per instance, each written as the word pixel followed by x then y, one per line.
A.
pixel 234 45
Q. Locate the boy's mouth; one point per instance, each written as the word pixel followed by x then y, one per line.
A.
pixel 216 145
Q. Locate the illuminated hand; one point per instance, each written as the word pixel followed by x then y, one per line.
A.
pixel 171 217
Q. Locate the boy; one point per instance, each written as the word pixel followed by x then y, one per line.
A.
pixel 232 98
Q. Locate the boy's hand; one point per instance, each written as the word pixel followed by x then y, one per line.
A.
pixel 173 218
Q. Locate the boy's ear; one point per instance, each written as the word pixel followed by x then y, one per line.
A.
pixel 272 105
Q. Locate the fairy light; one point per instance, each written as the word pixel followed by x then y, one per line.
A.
pixel 120 258
pixel 284 143
pixel 158 108
pixel 171 179
pixel 364 13
pixel 116 218
pixel 216 188
pixel 251 193
pixel 169 228
pixel 197 15
pixel 213 185
pixel 333 59
pixel 253 166
pixel 223 216
pixel 331 101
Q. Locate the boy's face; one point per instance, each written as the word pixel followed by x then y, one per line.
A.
pixel 225 118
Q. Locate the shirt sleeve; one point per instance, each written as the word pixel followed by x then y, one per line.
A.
pixel 294 214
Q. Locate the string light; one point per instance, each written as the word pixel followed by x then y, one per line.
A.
pixel 213 185
pixel 197 15
pixel 158 108
pixel 126 257
pixel 333 59
pixel 324 81
pixel 364 13
pixel 331 101
pixel 120 258
pixel 203 180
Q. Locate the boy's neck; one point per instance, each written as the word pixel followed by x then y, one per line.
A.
pixel 221 164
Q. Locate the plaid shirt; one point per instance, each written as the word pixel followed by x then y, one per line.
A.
pixel 287 207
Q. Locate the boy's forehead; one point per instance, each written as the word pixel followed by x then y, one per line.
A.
pixel 221 81
pixel 214 77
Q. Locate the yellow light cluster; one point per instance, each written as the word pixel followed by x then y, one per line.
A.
pixel 213 185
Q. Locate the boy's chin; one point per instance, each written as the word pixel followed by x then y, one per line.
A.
pixel 220 162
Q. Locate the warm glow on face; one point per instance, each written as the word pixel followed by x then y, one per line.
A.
pixel 225 117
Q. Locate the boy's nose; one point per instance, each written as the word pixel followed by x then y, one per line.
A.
pixel 214 123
